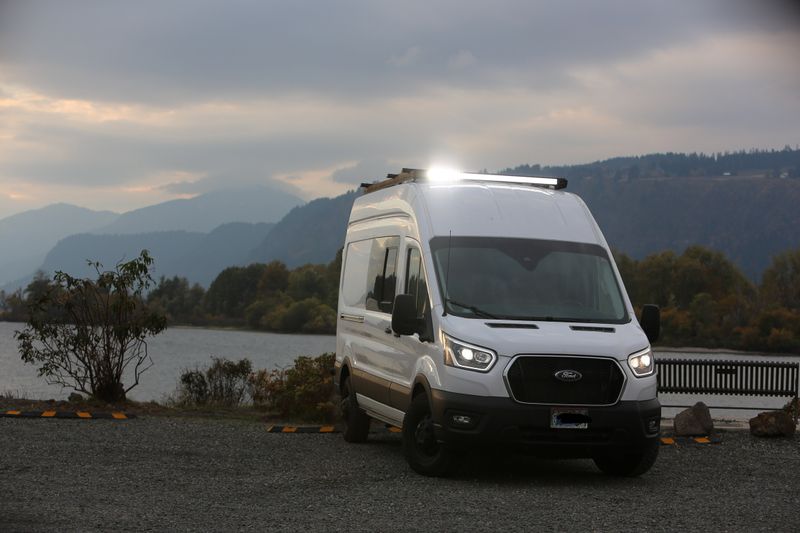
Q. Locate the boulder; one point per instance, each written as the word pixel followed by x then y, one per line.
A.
pixel 772 424
pixel 793 407
pixel 694 421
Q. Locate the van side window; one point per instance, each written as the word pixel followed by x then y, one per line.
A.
pixel 356 263
pixel 415 280
pixel 382 274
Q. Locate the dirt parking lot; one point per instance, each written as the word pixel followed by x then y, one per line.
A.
pixel 176 474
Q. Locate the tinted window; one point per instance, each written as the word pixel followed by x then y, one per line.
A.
pixel 354 289
pixel 382 274
pixel 415 280
pixel 527 279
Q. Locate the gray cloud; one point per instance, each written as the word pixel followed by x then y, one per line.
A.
pixel 183 97
pixel 168 52
pixel 367 170
pixel 229 179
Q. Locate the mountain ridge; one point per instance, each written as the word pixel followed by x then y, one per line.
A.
pixel 207 211
pixel 25 238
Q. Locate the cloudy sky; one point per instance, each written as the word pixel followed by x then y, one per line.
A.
pixel 116 105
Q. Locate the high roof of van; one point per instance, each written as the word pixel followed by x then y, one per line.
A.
pixel 484 209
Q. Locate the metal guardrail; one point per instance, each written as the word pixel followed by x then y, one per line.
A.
pixel 727 377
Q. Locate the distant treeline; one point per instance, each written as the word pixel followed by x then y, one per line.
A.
pixel 705 300
pixel 784 163
pixel 260 296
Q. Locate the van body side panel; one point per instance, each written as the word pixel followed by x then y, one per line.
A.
pixel 378 357
pixel 399 396
pixel 368 384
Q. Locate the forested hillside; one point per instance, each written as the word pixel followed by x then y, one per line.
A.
pixel 783 163
pixel 670 201
pixel 743 204
pixel 308 234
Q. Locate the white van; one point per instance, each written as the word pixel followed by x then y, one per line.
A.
pixel 479 309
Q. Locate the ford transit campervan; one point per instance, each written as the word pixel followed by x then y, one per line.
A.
pixel 478 310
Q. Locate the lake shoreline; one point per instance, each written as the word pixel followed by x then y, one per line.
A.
pixel 656 348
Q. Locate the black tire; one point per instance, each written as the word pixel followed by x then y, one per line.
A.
pixel 356 421
pixel 423 453
pixel 628 463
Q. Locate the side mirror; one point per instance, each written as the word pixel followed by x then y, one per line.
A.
pixel 651 322
pixel 404 315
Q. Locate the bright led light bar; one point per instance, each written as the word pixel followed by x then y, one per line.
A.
pixel 450 175
pixel 556 183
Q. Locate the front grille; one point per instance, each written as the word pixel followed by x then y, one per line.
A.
pixel 532 380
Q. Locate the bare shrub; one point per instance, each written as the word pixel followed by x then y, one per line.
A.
pixel 225 383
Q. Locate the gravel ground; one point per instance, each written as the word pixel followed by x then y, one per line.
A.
pixel 174 474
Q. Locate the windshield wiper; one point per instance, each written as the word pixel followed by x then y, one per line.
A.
pixel 475 310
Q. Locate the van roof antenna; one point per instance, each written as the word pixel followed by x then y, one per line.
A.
pixel 447 274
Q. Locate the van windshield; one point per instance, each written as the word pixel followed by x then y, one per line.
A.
pixel 527 279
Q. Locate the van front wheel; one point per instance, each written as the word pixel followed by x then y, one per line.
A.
pixel 356 421
pixel 424 454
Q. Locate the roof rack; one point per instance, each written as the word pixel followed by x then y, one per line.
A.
pixel 441 175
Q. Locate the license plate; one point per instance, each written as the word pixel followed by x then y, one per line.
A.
pixel 569 418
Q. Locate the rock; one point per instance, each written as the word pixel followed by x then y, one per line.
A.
pixel 694 421
pixel 75 398
pixel 793 407
pixel 772 424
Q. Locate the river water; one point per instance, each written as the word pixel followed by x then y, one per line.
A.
pixel 173 351
pixel 178 349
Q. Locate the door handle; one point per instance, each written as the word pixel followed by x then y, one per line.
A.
pixel 388 330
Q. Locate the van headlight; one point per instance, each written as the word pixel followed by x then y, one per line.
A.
pixel 469 356
pixel 642 363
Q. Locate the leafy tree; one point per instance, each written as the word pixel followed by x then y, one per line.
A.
pixel 234 290
pixel 12 306
pixel 654 281
pixel 628 269
pixel 780 285
pixel 179 301
pixel 275 278
pixel 309 281
pixel 699 269
pixel 85 333
pixel 333 273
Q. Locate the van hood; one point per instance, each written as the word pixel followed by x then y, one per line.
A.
pixel 511 337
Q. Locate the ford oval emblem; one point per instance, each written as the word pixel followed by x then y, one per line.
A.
pixel 569 376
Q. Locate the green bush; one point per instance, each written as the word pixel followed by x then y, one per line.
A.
pixel 301 392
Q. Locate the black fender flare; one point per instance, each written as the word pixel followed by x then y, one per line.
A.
pixel 421 381
pixel 338 369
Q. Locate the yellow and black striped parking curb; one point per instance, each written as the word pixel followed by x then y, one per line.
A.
pixel 113 415
pixel 683 441
pixel 315 429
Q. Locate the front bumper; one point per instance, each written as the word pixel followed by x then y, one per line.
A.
pixel 504 422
